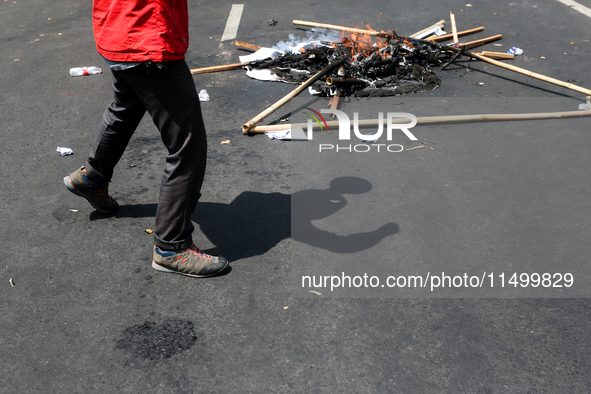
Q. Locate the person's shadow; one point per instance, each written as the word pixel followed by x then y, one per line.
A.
pixel 254 223
pixel 314 204
pixel 251 225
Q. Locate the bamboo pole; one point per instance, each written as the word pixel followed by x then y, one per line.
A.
pixel 482 41
pixel 250 124
pixel 335 27
pixel 460 34
pixel 496 55
pixel 425 120
pixel 213 69
pixel 523 71
pixel 454 30
pixel 247 45
pixel 344 81
pixel 441 23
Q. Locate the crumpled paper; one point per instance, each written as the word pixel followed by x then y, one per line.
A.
pixel 279 134
pixel 65 151
pixel 203 96
pixel 287 134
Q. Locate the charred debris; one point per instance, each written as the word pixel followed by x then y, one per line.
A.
pixel 373 66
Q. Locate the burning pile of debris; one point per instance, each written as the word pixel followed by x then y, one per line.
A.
pixel 373 66
pixel 362 65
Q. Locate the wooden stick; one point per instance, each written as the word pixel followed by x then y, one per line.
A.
pixel 247 45
pixel 454 30
pixel 438 120
pixel 333 103
pixel 496 55
pixel 482 41
pixel 441 23
pixel 460 34
pixel 213 69
pixel 523 71
pixel 335 27
pixel 250 124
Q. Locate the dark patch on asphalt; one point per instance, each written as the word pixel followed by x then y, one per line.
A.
pixel 153 341
pixel 64 214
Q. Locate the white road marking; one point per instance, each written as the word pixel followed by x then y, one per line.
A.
pixel 231 29
pixel 577 6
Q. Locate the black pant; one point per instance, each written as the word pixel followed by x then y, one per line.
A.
pixel 167 91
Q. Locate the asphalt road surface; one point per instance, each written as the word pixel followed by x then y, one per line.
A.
pixel 82 311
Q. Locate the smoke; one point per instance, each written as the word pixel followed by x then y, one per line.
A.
pixel 297 42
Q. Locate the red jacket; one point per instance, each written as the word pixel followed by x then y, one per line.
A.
pixel 141 30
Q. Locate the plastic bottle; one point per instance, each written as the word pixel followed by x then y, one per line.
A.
pixel 79 71
pixel 515 51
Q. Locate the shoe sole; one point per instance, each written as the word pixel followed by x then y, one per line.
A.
pixel 168 270
pixel 70 186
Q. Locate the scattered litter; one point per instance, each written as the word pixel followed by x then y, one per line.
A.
pixel 438 31
pixel 468 5
pixel 416 147
pixel 65 151
pixel 481 83
pixel 11 282
pixel 149 231
pixel 80 71
pixel 498 45
pixel 133 165
pixel 272 22
pixel 17 60
pixel 261 54
pixel 203 96
pixel 572 80
pixel 225 142
pixel 335 201
pixel 316 292
pixel 515 51
pixel 285 307
pixel 542 57
pixel 572 43
pixel 284 135
pixel 73 210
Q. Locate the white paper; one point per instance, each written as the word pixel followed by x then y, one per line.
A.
pixel 436 30
pixel 279 134
pixel 286 134
pixel 262 74
pixel 203 96
pixel 261 54
pixel 65 151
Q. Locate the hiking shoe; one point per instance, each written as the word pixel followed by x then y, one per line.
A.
pixel 191 262
pixel 98 195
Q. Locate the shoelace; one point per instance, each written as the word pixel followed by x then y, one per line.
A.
pixel 103 190
pixel 198 252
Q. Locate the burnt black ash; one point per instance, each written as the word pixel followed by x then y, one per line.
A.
pixel 391 67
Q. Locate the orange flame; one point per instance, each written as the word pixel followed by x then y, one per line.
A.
pixel 364 44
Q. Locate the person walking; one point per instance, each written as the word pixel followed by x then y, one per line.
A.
pixel 144 43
